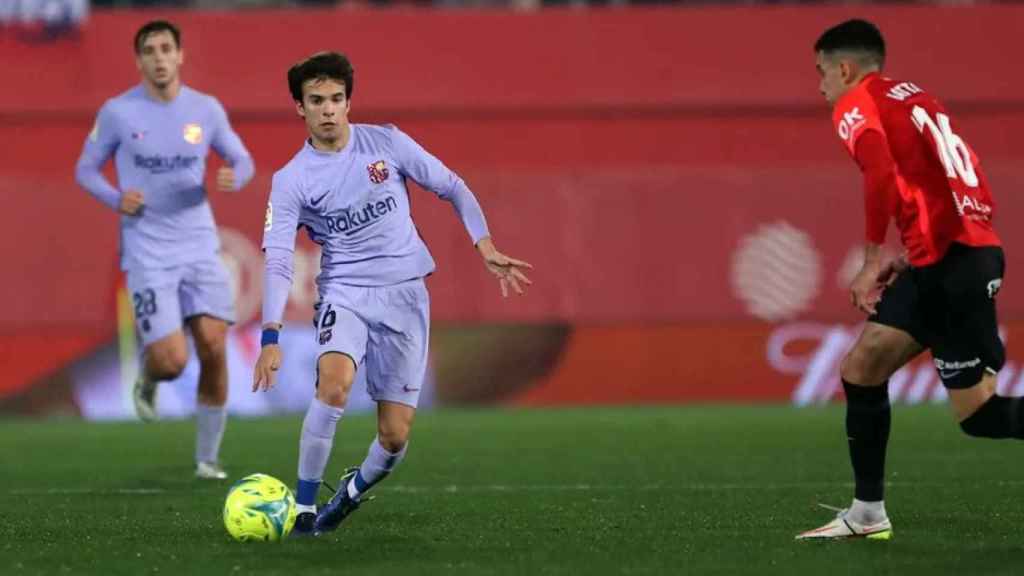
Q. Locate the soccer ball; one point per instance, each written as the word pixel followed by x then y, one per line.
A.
pixel 259 507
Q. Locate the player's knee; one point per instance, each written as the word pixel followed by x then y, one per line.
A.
pixel 393 437
pixel 211 347
pixel 332 395
pixel 862 364
pixel 337 374
pixel 335 380
pixel 167 363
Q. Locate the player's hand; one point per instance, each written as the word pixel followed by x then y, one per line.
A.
pixel 226 179
pixel 266 368
pixel 866 288
pixel 132 203
pixel 891 270
pixel 508 270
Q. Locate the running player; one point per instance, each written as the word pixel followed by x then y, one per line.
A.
pixel 159 134
pixel 347 188
pixel 940 295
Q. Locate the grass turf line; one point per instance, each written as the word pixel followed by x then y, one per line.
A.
pixel 690 490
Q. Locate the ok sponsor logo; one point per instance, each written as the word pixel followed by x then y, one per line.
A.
pixel 350 221
pixel 851 121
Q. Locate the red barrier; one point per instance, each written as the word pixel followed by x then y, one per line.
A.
pixel 656 165
pixel 559 60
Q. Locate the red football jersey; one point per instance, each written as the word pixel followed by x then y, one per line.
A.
pixel 943 194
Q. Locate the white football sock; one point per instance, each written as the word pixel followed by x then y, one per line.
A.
pixel 867 512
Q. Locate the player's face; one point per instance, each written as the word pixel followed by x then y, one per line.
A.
pixel 325 109
pixel 833 72
pixel 159 59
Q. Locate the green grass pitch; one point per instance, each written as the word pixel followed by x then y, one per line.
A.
pixel 689 490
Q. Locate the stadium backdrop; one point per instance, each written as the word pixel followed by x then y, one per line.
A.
pixel 672 173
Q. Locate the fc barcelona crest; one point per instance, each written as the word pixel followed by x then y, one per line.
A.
pixel 378 171
pixel 193 133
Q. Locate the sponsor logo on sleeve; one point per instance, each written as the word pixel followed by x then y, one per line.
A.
pixel 851 122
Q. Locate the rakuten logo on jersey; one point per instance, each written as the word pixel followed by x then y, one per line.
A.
pixel 351 221
pixel 850 123
pixel 165 164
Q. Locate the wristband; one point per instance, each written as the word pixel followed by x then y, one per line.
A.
pixel 269 336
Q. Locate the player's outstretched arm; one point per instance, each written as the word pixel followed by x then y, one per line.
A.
pixel 510 272
pixel 427 171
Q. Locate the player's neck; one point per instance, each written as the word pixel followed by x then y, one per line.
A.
pixel 856 81
pixel 163 94
pixel 332 145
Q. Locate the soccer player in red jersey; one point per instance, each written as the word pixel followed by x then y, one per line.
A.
pixel 940 295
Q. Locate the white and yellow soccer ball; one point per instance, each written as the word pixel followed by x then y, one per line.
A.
pixel 259 508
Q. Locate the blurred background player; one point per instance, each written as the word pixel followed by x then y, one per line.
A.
pixel 940 295
pixel 347 187
pixel 159 134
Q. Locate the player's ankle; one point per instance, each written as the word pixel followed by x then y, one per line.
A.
pixel 868 512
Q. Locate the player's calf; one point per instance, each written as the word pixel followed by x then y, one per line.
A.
pixel 394 422
pixel 162 360
pixel 985 414
pixel 354 484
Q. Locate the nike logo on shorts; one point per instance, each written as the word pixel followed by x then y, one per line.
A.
pixel 948 375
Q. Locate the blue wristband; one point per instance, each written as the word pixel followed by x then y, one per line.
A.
pixel 269 336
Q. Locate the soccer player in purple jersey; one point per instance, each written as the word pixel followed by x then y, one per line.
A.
pixel 347 188
pixel 159 134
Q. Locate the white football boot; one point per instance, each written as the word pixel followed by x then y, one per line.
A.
pixel 144 395
pixel 210 471
pixel 844 526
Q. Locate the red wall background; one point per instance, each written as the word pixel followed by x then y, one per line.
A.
pixel 624 152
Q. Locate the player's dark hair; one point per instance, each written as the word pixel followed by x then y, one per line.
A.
pixel 321 66
pixel 152 27
pixel 859 36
